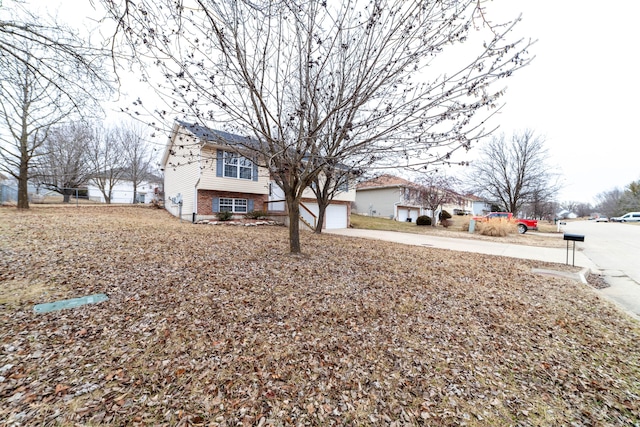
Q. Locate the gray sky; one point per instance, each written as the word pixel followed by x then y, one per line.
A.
pixel 581 90
pixel 579 93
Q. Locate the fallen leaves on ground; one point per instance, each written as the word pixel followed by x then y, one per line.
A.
pixel 221 326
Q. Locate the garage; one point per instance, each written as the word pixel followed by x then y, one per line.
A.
pixel 405 212
pixel 335 215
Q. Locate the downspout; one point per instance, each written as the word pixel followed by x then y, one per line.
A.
pixel 195 199
pixel 194 214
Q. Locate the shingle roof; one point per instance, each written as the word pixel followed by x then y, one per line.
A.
pixel 212 135
pixel 385 180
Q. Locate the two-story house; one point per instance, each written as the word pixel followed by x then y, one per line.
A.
pixel 389 196
pixel 205 175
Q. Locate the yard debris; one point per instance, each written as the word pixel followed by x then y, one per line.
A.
pixel 222 326
pixel 597 281
pixel 69 303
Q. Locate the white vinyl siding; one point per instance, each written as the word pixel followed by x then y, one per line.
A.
pixel 181 172
pixel 381 200
pixel 211 180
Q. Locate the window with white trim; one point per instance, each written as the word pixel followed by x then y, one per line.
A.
pixel 233 205
pixel 236 166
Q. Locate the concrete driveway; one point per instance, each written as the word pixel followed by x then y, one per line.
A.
pixel 590 254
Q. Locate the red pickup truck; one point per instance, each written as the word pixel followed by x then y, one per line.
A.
pixel 523 224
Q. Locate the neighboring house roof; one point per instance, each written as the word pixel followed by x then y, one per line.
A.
pixel 385 181
pixel 474 198
pixel 125 176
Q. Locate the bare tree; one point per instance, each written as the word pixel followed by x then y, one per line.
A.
pixel 608 202
pixel 514 172
pixel 583 209
pixel 314 80
pixel 137 157
pixel 541 205
pixel 62 164
pixel 105 159
pixel 47 73
pixel 434 191
pixel 335 178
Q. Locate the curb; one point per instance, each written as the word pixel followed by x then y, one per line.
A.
pixel 580 276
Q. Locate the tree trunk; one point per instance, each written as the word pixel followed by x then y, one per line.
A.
pixel 23 177
pixel 23 185
pixel 294 225
pixel 322 208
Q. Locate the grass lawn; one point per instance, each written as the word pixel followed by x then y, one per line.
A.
pixel 219 325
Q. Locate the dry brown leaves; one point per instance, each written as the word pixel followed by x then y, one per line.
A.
pixel 221 326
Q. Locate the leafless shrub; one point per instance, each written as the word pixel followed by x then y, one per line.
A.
pixel 497 227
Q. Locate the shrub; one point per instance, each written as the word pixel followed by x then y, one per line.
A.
pixel 497 227
pixel 423 220
pixel 446 223
pixel 256 214
pixel 465 224
pixel 444 215
pixel 225 216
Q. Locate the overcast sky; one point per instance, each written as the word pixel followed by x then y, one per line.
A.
pixel 580 92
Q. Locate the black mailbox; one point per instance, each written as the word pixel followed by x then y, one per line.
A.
pixel 574 237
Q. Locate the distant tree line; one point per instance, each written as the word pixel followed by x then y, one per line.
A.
pixel 617 202
pixel 77 153
pixel 50 75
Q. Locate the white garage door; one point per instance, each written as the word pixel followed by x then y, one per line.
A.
pixel 336 217
pixel 404 213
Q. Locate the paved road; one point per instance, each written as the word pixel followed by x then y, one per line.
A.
pixel 615 249
pixel 612 249
pixel 611 246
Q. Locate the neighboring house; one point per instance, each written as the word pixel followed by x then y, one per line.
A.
pixel 479 206
pixel 389 196
pixel 204 176
pixel 122 192
pixel 397 198
pixel 459 204
pixel 566 214
pixel 8 193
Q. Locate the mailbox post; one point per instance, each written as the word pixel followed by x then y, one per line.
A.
pixel 573 238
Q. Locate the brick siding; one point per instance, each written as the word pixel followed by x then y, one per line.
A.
pixel 205 199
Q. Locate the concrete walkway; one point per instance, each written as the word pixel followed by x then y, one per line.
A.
pixel 624 292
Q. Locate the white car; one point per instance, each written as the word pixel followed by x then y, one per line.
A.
pixel 602 219
pixel 629 217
